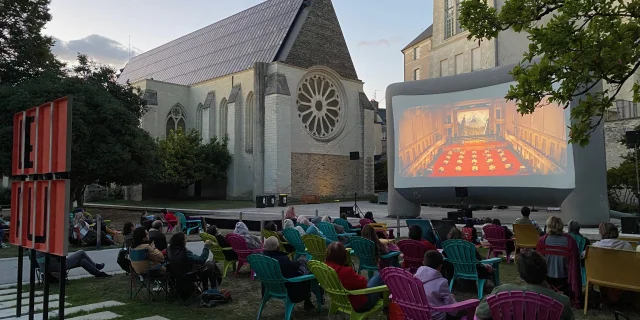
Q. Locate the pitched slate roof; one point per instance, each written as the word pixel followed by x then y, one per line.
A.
pixel 426 34
pixel 382 113
pixel 227 46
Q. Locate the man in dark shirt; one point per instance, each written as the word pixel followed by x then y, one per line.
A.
pixel 156 236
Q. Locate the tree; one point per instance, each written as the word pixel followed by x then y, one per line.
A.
pixel 108 145
pixel 24 52
pixel 186 160
pixel 622 184
pixel 380 176
pixel 583 42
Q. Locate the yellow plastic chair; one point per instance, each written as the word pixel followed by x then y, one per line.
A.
pixel 526 235
pixel 329 281
pixel 266 234
pixel 317 248
pixel 612 268
pixel 218 253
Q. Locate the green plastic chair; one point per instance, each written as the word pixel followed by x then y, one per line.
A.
pixel 293 237
pixel 268 272
pixel 331 284
pixel 345 224
pixel 303 226
pixel 184 223
pixel 329 231
pixel 218 253
pixel 365 250
pixel 462 254
pixel 582 242
pixel 316 246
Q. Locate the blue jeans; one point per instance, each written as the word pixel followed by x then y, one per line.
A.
pixel 372 298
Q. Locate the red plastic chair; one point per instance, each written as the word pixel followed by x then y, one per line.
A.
pixel 546 250
pixel 413 252
pixel 239 245
pixel 518 305
pixel 495 235
pixel 408 292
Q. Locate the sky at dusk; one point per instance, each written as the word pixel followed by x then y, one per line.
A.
pixel 375 31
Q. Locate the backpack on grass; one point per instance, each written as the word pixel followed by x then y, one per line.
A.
pixel 213 298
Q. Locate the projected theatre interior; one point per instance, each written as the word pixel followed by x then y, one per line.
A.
pixel 481 138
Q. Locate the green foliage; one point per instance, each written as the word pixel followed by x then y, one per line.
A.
pixel 108 145
pixel 622 185
pixel 583 42
pixel 380 176
pixel 185 159
pixel 5 195
pixel 24 50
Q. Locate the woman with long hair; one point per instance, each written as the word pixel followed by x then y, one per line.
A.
pixel 485 271
pixel 154 256
pixel 368 232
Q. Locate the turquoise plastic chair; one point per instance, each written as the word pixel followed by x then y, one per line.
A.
pixel 293 237
pixel 427 230
pixel 582 242
pixel 345 224
pixel 184 223
pixel 268 272
pixel 329 231
pixel 303 226
pixel 365 250
pixel 462 254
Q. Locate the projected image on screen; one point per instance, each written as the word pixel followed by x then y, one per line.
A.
pixel 481 138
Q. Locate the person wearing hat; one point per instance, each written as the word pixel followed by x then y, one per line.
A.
pixel 298 292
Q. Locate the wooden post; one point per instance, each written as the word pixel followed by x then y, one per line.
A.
pixel 316 212
pixel 240 216
pixel 282 227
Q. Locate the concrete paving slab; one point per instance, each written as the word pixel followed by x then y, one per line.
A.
pixel 105 315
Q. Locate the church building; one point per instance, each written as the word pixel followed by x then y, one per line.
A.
pixel 277 79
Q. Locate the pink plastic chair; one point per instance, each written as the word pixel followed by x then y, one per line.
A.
pixel 408 292
pixel 519 305
pixel 239 245
pixel 413 252
pixel 497 243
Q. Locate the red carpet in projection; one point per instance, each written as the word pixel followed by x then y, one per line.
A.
pixel 479 159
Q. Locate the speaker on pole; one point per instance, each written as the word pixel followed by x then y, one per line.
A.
pixel 354 155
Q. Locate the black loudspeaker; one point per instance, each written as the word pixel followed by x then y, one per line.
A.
pixel 348 211
pixel 271 201
pixel 354 155
pixel 462 192
pixel 633 138
pixel 282 200
pixel 630 225
pixel 261 202
pixel 455 216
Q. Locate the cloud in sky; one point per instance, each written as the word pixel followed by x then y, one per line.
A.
pixel 97 47
pixel 379 42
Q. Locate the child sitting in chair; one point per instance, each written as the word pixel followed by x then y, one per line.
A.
pixel 435 285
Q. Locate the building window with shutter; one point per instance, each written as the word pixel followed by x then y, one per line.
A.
pixel 248 124
pixel 416 74
pixel 449 19
pixel 458 26
pixel 444 68
pixel 416 53
pixel 224 114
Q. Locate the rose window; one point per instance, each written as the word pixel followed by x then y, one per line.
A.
pixel 320 107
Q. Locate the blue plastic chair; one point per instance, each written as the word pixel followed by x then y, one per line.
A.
pixel 329 231
pixel 427 230
pixel 268 272
pixel 441 229
pixel 345 224
pixel 293 237
pixel 365 250
pixel 462 254
pixel 184 223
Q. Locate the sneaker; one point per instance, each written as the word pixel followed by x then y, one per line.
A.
pixel 103 275
pixel 99 266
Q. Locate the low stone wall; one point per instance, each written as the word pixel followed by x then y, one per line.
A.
pixel 328 176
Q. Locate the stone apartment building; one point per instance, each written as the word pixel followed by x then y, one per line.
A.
pixel 278 80
pixel 442 49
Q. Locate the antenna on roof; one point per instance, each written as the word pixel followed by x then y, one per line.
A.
pixel 129 47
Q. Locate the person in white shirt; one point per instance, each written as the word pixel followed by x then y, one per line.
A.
pixel 609 233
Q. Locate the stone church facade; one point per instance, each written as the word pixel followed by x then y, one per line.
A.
pixel 278 80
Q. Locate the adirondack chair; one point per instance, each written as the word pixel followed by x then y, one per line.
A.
pixel 408 292
pixel 427 229
pixel 345 224
pixel 462 255
pixel 268 272
pixel 293 238
pixel 495 235
pixel 330 282
pixel 184 223
pixel 441 229
pixel 218 253
pixel 365 250
pixel 329 231
pixel 380 228
pixel 239 245
pixel 413 252
pixel 303 226
pixel 316 246
pixel 526 235
pixel 519 305
pixel 581 242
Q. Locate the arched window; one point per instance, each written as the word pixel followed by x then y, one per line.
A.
pixel 199 118
pixel 202 122
pixel 224 114
pixel 176 119
pixel 248 124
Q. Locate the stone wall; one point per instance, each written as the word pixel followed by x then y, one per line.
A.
pixel 612 132
pixel 328 176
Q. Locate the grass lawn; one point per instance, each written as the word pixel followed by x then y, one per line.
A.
pixel 12 251
pixel 246 294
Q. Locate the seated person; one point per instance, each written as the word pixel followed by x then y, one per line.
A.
pixel 368 232
pixel 229 255
pixel 415 233
pixel 532 268
pixel 3 227
pixel 339 229
pixel 562 271
pixel 298 292
pixel 146 220
pixel 436 287
pixel 289 224
pixel 253 242
pixel 87 217
pixel 78 259
pixel 104 227
pixel 154 256
pixel 609 233
pixel 526 212
pixel 485 271
pixel 470 233
pixel 487 221
pixel 350 279
pixel 291 214
pixel 271 226
pixel 205 270
pixel 369 215
pixel 84 234
pixel 171 218
pixel 574 231
pixel 312 229
pixel 156 236
pixel 511 247
pixel 127 232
